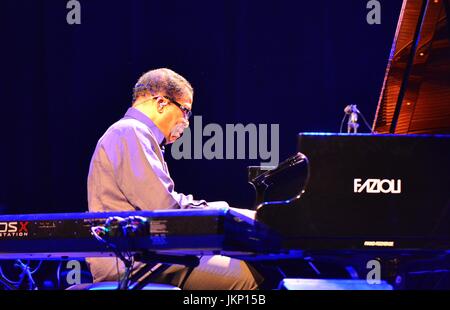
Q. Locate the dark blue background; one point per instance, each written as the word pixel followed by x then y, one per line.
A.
pixel 294 63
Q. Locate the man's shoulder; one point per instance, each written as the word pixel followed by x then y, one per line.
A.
pixel 125 128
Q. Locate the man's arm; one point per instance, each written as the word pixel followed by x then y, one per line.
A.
pixel 140 174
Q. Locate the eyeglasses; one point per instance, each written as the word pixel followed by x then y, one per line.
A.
pixel 186 112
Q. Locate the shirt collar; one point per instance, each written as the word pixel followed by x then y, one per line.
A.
pixel 138 115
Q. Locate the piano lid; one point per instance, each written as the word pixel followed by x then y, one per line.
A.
pixel 415 97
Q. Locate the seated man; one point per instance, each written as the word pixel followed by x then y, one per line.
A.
pixel 128 172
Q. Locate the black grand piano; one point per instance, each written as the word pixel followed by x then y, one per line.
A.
pixel 385 195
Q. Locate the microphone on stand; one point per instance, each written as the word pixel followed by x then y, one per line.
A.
pixel 352 111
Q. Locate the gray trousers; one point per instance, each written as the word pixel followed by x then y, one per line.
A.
pixel 213 273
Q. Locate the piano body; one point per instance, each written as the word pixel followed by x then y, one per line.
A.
pixel 392 185
pixel 366 193
pixel 384 195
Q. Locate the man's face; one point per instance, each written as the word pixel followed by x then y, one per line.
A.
pixel 176 116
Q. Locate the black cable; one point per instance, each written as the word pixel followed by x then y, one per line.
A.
pixel 365 121
pixel 342 123
pixel 118 272
pixel 128 264
pixel 6 283
pixel 37 267
pixel 58 276
pixel 124 283
pixel 3 276
pixel 26 273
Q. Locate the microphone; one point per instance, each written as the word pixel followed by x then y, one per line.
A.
pixel 353 112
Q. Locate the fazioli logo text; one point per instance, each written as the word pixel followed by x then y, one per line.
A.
pixel 376 186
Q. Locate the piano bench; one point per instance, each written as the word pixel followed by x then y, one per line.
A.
pixel 331 284
pixel 100 286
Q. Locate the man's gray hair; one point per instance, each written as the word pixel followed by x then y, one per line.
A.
pixel 164 82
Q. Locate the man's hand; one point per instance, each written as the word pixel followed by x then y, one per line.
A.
pixel 218 205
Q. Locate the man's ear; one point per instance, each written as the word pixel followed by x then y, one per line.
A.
pixel 160 104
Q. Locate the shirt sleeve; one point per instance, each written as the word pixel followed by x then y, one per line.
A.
pixel 141 175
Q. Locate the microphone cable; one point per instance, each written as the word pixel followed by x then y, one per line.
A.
pixel 359 113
